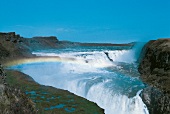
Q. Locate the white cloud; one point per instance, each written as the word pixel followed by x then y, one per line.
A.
pixel 64 30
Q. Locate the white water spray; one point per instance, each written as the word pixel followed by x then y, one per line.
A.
pixel 89 78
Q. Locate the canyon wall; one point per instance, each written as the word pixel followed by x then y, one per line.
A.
pixel 154 68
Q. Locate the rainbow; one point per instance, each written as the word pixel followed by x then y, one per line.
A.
pixel 37 60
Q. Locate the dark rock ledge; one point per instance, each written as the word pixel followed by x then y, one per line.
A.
pixel 154 68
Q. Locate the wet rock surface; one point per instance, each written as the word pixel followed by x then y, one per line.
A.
pixel 156 101
pixel 154 68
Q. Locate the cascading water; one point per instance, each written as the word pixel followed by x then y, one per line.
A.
pixel 105 76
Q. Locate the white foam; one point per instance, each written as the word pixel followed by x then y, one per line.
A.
pixel 96 59
pixel 126 56
pixel 116 104
pixel 106 98
pixel 93 59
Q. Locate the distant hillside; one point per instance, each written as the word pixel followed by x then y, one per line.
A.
pixel 15 46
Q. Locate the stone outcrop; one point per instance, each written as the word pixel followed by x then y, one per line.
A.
pixel 3 52
pixel 156 101
pixel 154 68
pixel 11 36
pixel 13 100
pixel 13 46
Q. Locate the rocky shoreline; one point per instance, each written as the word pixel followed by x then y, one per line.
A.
pixel 154 68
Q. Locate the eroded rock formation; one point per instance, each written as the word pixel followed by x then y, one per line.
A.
pixel 154 68
pixel 13 100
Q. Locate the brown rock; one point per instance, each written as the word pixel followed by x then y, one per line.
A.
pixel 154 68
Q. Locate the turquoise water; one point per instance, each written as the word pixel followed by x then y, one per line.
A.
pixel 61 106
pixel 111 80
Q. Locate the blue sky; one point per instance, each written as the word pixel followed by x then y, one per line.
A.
pixel 113 21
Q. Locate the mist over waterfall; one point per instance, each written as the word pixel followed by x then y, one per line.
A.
pixel 107 76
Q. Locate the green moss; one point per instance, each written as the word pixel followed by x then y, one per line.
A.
pixel 46 96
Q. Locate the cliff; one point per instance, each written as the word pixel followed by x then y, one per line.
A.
pixel 18 45
pixel 154 68
pixel 40 43
pixel 13 100
pixel 20 94
pixel 12 46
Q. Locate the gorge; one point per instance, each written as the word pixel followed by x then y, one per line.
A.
pixel 102 73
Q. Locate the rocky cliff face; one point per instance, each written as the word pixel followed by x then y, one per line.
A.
pixel 154 68
pixel 13 100
pixel 40 43
pixel 14 46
